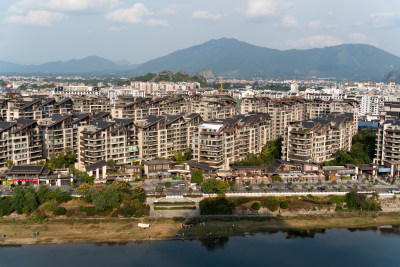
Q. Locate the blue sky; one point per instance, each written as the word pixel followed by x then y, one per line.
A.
pixel 38 31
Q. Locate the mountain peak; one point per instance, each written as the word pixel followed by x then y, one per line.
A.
pixel 233 58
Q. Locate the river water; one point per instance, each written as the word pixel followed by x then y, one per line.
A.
pixel 333 247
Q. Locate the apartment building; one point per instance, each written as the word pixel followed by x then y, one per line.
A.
pixel 20 142
pixel 317 140
pixel 212 106
pixel 90 104
pixel 209 107
pixel 162 136
pixel 83 90
pixel 60 131
pixel 388 146
pixel 139 108
pixel 104 140
pixel 33 108
pixel 221 142
pixel 114 94
pixel 390 111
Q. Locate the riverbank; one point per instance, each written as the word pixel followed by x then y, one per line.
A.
pixel 20 231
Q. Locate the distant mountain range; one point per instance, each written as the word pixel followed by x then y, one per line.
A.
pixel 234 58
pixel 91 64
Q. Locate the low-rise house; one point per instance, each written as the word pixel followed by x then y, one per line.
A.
pixel 158 168
pixel 36 175
pixel 349 171
pixel 291 171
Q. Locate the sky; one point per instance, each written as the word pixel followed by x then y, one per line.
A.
pixel 39 31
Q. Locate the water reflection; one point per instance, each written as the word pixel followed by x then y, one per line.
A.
pixel 214 243
pixel 304 233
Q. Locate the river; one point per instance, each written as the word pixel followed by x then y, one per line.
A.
pixel 332 247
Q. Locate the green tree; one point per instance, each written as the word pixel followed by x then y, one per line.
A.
pixel 112 197
pixel 18 199
pixel 9 164
pixel 43 193
pixel 112 162
pixel 197 176
pixel 30 202
pixel 99 201
pixel 214 186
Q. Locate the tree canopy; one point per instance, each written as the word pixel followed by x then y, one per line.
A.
pixel 271 151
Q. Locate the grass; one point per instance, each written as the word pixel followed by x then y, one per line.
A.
pixel 20 231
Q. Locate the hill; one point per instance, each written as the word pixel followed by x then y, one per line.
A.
pixel 91 64
pixel 234 58
pixel 393 76
pixel 168 76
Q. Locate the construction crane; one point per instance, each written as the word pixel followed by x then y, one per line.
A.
pixel 221 85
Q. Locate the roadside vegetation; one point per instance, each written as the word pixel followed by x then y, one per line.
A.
pixel 352 201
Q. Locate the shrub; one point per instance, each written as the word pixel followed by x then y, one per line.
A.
pixel 128 211
pixel 50 205
pixel 68 214
pixel 167 184
pixel 216 206
pixel 272 203
pixel 59 211
pixel 284 205
pixel 256 206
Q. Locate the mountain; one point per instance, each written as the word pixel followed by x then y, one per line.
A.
pixel 393 76
pixel 91 64
pixel 234 58
pixel 6 66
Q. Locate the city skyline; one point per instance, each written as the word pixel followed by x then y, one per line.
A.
pixel 35 32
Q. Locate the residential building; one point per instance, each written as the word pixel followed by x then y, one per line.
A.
pixel 20 142
pixel 317 140
pixel 221 142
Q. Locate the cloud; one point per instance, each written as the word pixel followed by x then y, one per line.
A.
pixel 287 22
pixel 360 38
pixel 320 25
pixel 265 8
pixel 171 10
pixel 316 41
pixel 63 5
pixel 117 28
pixel 131 15
pixel 42 18
pixel 385 20
pixel 203 14
pixel 157 22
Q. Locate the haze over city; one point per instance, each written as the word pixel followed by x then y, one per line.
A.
pixel 35 32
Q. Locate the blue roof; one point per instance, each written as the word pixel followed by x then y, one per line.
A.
pixel 373 124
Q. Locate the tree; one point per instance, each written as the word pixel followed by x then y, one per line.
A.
pixel 9 164
pixel 112 162
pixel 18 199
pixel 276 178
pixel 159 188
pixel 167 184
pixel 197 176
pixel 121 186
pixel 214 186
pixel 30 202
pixel 99 201
pixel 43 193
pixel 271 151
pixel 112 197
